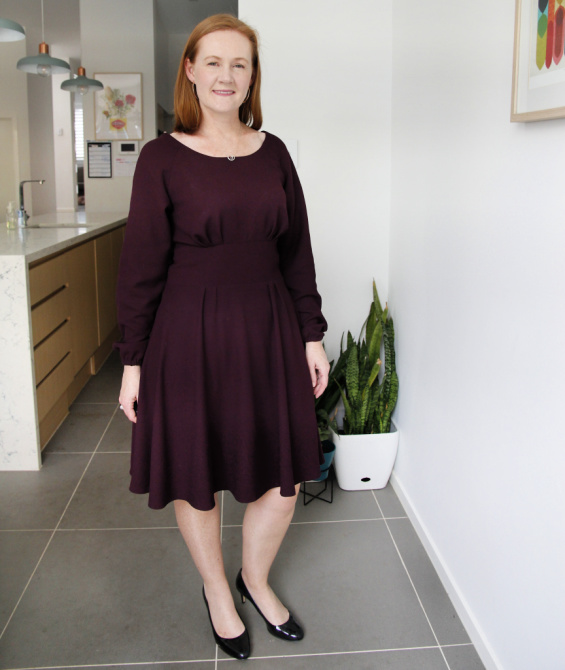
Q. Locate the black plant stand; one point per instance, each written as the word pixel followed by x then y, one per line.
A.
pixel 328 484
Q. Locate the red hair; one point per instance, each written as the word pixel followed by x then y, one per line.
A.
pixel 187 108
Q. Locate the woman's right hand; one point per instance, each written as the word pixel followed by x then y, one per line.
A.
pixel 130 390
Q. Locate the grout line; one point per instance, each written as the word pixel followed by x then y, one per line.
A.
pixel 222 526
pixel 52 451
pixel 329 653
pixel 27 530
pixel 303 523
pixel 135 664
pixel 413 585
pixel 93 403
pixel 56 527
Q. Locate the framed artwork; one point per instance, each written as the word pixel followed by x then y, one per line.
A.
pixel 538 83
pixel 118 107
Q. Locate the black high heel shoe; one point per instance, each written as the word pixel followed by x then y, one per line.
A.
pixel 290 630
pixel 236 647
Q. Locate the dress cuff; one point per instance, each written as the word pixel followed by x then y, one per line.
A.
pixel 131 354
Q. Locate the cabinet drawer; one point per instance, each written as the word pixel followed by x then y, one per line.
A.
pixel 52 351
pixel 46 278
pixel 53 387
pixel 49 314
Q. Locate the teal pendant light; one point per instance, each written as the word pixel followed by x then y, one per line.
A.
pixel 81 83
pixel 43 64
pixel 10 31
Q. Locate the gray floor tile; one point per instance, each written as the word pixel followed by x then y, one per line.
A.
pixel 189 665
pixel 118 435
pixel 82 429
pixel 110 597
pixel 19 553
pixel 411 659
pixel 103 499
pixel 436 602
pixel 345 584
pixel 389 502
pixel 463 658
pixel 102 387
pixel 346 505
pixel 35 500
pixel 113 361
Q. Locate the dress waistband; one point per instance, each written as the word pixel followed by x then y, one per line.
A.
pixel 232 263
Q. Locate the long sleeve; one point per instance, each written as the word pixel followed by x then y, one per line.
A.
pixel 146 256
pixel 297 262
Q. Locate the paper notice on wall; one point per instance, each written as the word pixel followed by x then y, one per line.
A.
pixel 124 166
pixel 99 160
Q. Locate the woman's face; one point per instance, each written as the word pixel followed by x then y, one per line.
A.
pixel 222 71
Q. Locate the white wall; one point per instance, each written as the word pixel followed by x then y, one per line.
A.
pixel 326 83
pixel 13 110
pixel 117 37
pixel 477 289
pixel 63 142
pixel 162 89
pixel 36 137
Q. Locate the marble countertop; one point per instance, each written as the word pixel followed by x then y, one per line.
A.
pixel 49 233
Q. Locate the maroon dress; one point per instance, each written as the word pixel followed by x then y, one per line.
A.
pixel 216 297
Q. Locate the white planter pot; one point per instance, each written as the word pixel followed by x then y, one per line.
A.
pixel 365 461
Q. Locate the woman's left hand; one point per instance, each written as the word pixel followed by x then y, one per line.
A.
pixel 318 365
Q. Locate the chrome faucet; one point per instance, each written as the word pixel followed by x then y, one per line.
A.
pixel 23 216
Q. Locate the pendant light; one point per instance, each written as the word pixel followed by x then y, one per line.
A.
pixel 10 31
pixel 43 64
pixel 81 83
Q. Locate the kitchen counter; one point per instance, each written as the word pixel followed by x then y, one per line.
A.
pixel 46 236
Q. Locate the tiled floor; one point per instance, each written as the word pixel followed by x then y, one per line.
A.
pixel 90 577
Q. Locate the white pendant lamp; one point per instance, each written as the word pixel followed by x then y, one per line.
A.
pixel 10 31
pixel 81 83
pixel 43 64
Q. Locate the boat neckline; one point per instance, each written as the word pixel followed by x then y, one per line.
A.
pixel 223 158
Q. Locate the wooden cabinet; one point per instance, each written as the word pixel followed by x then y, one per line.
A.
pixel 108 250
pixel 74 322
pixel 82 284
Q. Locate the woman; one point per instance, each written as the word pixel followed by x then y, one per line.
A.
pixel 221 325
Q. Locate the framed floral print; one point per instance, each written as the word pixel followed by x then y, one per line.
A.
pixel 118 107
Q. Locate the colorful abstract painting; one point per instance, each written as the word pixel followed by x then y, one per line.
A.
pixel 550 33
pixel 538 84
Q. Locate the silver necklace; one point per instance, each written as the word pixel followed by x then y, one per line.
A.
pixel 232 157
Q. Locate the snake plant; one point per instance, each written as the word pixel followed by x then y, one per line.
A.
pixel 368 400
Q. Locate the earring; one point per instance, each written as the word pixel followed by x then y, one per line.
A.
pixel 247 96
pixel 194 90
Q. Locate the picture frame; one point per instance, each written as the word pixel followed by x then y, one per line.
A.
pixel 538 76
pixel 118 107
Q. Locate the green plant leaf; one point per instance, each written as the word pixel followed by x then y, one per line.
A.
pixel 352 374
pixel 371 322
pixel 375 343
pixel 374 372
pixel 376 301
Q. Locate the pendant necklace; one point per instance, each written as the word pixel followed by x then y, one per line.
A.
pixel 232 157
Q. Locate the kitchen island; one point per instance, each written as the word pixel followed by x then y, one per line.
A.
pixel 58 322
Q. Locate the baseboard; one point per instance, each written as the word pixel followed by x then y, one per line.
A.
pixel 485 651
